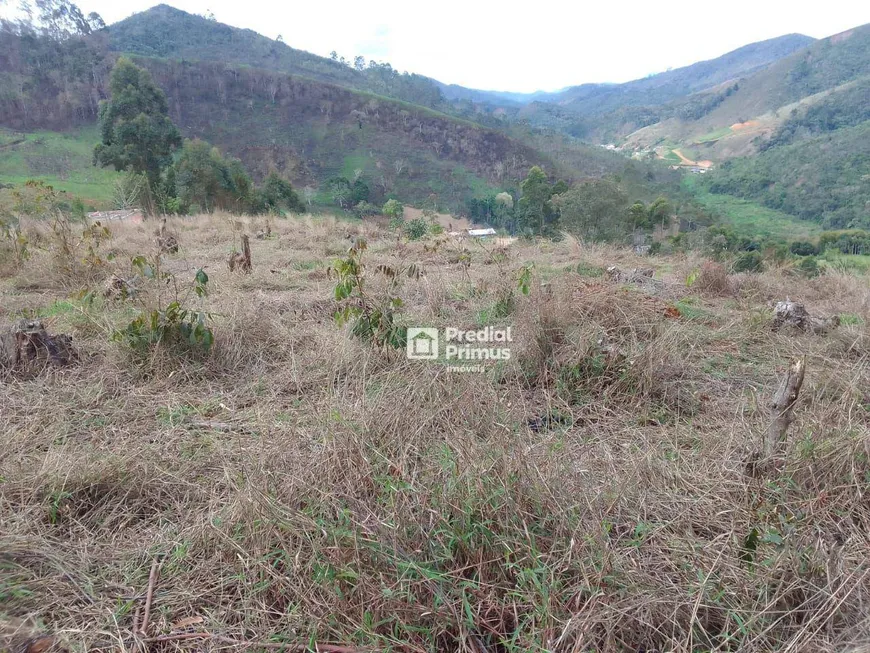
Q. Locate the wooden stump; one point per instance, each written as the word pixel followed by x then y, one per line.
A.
pixel 241 261
pixel 782 408
pixel 794 315
pixel 26 345
pixel 166 242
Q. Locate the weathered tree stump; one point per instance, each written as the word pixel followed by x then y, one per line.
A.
pixel 27 345
pixel 637 275
pixel 166 242
pixel 782 408
pixel 794 315
pixel 241 261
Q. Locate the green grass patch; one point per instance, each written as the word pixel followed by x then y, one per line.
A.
pixel 850 319
pixel 859 263
pixel 61 159
pixel 690 311
pixel 749 218
pixel 712 136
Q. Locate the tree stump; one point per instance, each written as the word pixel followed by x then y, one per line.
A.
pixel 241 261
pixel 166 242
pixel 782 407
pixel 27 345
pixel 794 315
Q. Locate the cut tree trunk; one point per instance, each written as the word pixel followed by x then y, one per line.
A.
pixel 241 261
pixel 782 407
pixel 792 314
pixel 26 345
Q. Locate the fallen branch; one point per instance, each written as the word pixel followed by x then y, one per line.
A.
pixel 152 580
pixel 284 646
pixel 782 407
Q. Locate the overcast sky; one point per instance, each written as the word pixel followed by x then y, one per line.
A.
pixel 522 45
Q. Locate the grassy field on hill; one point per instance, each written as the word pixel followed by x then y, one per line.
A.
pixel 62 159
pixel 596 491
pixel 747 217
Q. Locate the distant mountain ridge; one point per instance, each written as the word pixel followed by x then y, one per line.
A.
pixel 653 89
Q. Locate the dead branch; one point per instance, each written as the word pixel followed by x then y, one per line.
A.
pixel 325 648
pixel 152 580
pixel 782 407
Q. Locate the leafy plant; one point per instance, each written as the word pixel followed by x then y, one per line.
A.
pixel 748 262
pixel 417 228
pixel 373 315
pixel 809 267
pixel 176 324
pixel 524 278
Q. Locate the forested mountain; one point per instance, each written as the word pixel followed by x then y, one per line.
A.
pixel 596 99
pixel 278 109
pixel 164 31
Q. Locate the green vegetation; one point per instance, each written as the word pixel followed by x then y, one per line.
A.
pixel 714 135
pixel 136 132
pixel 62 160
pixel 748 217
pixel 846 107
pixel 825 179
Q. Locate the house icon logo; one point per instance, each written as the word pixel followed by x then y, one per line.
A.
pixel 422 343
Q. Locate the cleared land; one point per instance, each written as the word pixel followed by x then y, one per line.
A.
pixel 595 492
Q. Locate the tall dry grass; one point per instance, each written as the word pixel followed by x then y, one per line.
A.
pixel 593 493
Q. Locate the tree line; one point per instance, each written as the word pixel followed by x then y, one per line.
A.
pixel 139 138
pixel 595 209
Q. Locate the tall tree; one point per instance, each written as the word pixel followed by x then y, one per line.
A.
pixel 136 131
pixel 534 203
pixel 594 209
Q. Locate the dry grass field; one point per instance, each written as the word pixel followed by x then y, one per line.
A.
pixel 302 489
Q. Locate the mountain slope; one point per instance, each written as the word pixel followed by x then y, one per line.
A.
pixel 824 178
pixel 664 87
pixel 164 31
pixel 312 124
pixel 741 121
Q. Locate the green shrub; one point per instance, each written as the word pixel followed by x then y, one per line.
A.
pixel 417 228
pixel 175 325
pixel 365 210
pixel 748 262
pixel 803 248
pixel 393 209
pixel 809 267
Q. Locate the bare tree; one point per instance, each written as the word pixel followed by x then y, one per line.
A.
pixel 399 165
pixel 272 86
pixel 308 193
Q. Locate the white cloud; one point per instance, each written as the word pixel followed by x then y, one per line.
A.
pixel 521 46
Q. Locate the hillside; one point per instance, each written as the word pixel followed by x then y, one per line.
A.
pixel 737 121
pixel 824 178
pixel 307 129
pixel 310 124
pixel 164 31
pixel 597 99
